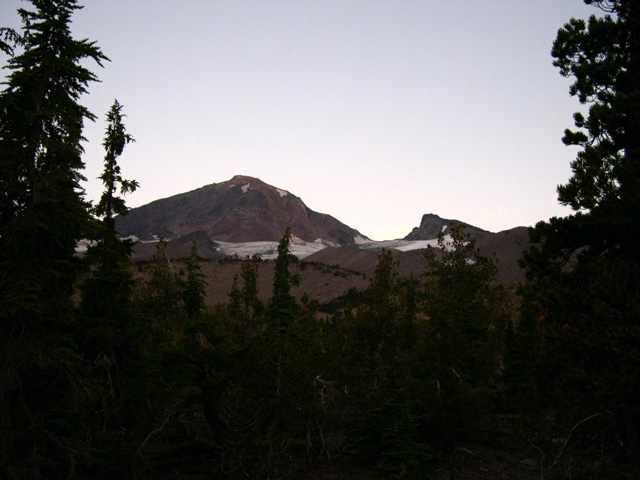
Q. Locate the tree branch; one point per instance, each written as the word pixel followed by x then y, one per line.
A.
pixel 566 443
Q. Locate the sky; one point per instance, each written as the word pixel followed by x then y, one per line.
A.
pixel 373 111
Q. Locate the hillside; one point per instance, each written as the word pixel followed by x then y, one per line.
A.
pixel 431 225
pixel 245 216
pixel 243 209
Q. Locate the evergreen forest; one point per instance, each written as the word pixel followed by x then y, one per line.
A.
pixel 104 375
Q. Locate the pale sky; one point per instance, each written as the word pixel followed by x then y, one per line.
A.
pixel 375 112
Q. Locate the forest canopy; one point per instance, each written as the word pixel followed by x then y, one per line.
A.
pixel 118 370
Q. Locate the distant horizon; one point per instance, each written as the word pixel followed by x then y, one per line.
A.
pixel 459 220
pixel 371 112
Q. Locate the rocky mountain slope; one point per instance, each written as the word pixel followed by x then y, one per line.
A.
pixel 431 225
pixel 333 271
pixel 245 216
pixel 243 209
pixel 507 246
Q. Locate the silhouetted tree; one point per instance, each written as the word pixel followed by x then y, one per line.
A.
pixel 106 293
pixel 109 330
pixel 282 307
pixel 9 40
pixel 582 270
pixel 244 304
pixel 43 215
pixel 160 296
pixel 464 331
pixel 195 286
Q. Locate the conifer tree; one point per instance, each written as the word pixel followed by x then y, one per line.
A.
pixel 234 307
pixel 369 353
pixel 42 210
pixel 372 339
pixel 115 140
pixel 282 306
pixel 582 269
pixel 106 294
pixel 464 306
pixel 160 296
pixel 9 40
pixel 464 333
pixel 108 325
pixel 251 305
pixel 195 286
pixel 43 215
pixel 381 302
pixel 407 328
pixel 244 304
pixel 270 405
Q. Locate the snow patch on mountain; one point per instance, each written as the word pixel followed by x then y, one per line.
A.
pixel 302 249
pixel 405 245
pixel 269 250
pixel 283 193
pixel 326 243
pixel 358 240
pixel 245 188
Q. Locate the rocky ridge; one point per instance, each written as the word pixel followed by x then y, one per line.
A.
pixel 245 216
pixel 431 225
pixel 243 209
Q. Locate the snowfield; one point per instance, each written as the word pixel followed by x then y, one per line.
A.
pixel 302 249
pixel 299 248
pixel 404 245
pixel 269 250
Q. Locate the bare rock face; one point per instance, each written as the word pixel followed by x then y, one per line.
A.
pixel 431 225
pixel 243 209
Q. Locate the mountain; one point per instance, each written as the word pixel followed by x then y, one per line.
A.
pixel 245 216
pixel 507 246
pixel 431 225
pixel 243 209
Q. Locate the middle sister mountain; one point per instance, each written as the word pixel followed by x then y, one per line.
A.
pixel 245 216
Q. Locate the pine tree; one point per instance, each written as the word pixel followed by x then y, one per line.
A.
pixel 106 293
pixel 463 305
pixel 160 296
pixel 244 305
pixel 464 332
pixel 9 40
pixel 282 307
pixel 195 286
pixel 372 339
pixel 272 407
pixel 582 270
pixel 43 215
pixel 251 305
pixel 109 328
pixel 381 302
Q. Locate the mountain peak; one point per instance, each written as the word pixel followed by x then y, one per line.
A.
pixel 242 209
pixel 247 183
pixel 431 225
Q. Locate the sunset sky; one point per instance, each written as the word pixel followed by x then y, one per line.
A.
pixel 375 112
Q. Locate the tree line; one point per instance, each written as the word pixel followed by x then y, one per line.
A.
pixel 105 376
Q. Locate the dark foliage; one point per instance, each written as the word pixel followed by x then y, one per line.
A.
pixel 582 291
pixel 45 388
pixel 139 379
